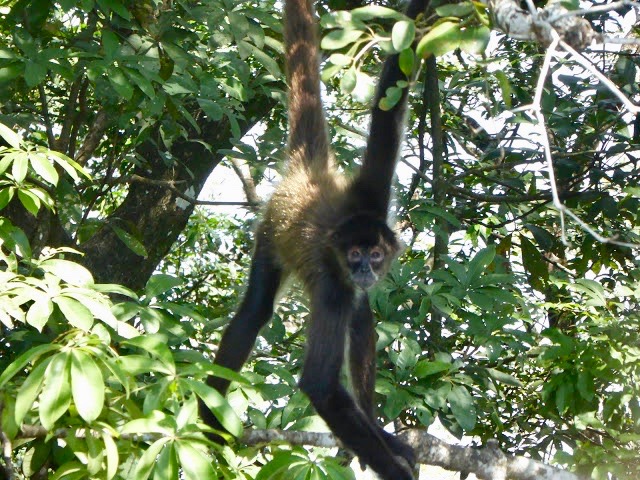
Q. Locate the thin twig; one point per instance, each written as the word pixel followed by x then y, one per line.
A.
pixel 592 10
pixel 536 109
pixel 170 185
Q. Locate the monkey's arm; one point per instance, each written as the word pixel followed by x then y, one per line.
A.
pixel 385 132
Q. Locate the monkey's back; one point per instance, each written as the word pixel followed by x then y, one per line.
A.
pixel 302 212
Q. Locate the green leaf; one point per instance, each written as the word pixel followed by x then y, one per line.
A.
pixel 137 364
pixel 155 422
pixel 130 241
pixel 504 377
pixel 391 98
pixel 30 390
pixel 114 288
pixel 20 168
pixel 406 61
pixel 564 396
pixel 39 313
pixel 403 34
pixel 365 87
pixel 340 59
pixel 505 87
pixel 335 471
pixel 281 461
pixel 30 356
pixel 56 393
pixel 142 82
pixel 267 61
pixel 479 263
pixel 76 314
pixel 167 464
pixel 218 405
pixel 29 201
pixel 7 416
pixel 70 471
pixel 115 6
pixel 6 194
pixel 147 461
pixel 71 272
pixel 195 464
pixel 211 109
pixel 424 368
pixel 474 40
pixel 10 136
pixel 340 38
pixel 161 283
pixel 585 385
pixel 156 345
pixel 110 43
pixel 593 290
pixel 534 264
pixel 348 81
pixel 443 38
pixel 43 167
pixel 34 73
pixel 455 10
pixel 120 83
pixel 87 385
pixel 111 455
pixel 68 165
pixel 462 407
pixel 375 12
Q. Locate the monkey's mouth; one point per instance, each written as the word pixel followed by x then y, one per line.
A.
pixel 364 280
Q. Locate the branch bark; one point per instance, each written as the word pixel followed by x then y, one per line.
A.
pixel 487 462
pixel 156 213
pixel 537 26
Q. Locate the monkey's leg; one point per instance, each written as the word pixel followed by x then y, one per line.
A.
pixel 362 354
pixel 331 310
pixel 362 360
pixel 240 335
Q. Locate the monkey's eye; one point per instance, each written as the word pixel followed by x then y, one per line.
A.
pixel 354 254
pixel 377 254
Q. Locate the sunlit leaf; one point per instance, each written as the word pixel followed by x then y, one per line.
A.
pixel 30 390
pixel 337 39
pixel 147 461
pixel 87 385
pixel 56 393
pixel 39 312
pixel 218 405
pixel 71 272
pixel 10 136
pixel 443 38
pixel 195 464
pixel 402 34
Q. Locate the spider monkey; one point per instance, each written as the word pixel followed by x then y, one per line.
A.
pixel 332 233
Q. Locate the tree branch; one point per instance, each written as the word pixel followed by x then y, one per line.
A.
pixel 171 185
pixel 92 140
pixel 487 462
pixel 248 185
pixel 539 25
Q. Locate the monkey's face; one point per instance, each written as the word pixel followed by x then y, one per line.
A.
pixel 365 247
pixel 366 264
